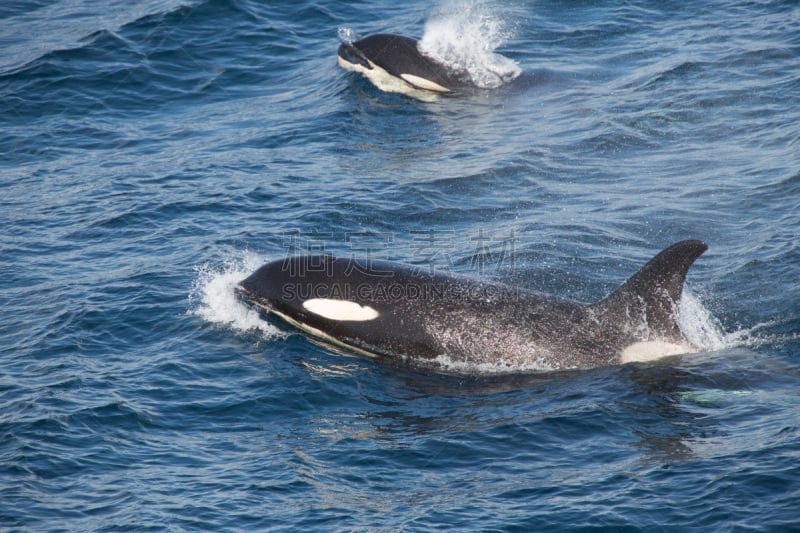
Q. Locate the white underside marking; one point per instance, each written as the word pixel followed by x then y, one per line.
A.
pixel 422 83
pixel 388 83
pixel 651 350
pixel 320 334
pixel 340 309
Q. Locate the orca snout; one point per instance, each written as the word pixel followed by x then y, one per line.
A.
pixel 243 294
pixel 348 52
pixel 266 287
pixel 251 290
pixel 240 292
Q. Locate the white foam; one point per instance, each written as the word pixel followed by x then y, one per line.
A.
pixel 346 35
pixel 213 299
pixel 700 327
pixel 464 34
pixel 706 333
pixel 510 365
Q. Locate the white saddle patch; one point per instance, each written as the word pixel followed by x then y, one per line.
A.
pixel 340 309
pixel 651 350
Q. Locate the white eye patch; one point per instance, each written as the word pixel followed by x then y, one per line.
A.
pixel 340 309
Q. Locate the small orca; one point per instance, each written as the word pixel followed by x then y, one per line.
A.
pixel 445 322
pixel 394 63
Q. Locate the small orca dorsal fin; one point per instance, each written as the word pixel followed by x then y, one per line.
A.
pixel 653 293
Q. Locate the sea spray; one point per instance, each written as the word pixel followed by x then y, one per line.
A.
pixel 346 35
pixel 704 331
pixel 214 300
pixel 698 325
pixel 464 36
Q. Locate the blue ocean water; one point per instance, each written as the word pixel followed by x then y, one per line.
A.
pixel 153 154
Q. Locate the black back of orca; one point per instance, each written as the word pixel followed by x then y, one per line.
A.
pixel 403 312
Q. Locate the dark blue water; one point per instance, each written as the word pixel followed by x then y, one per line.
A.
pixel 152 154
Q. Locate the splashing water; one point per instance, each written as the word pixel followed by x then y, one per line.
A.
pixel 704 331
pixel 346 35
pixel 213 297
pixel 699 326
pixel 464 36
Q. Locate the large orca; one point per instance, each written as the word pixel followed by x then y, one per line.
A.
pixel 394 63
pixel 454 323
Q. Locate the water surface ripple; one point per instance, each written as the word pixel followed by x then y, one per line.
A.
pixel 152 154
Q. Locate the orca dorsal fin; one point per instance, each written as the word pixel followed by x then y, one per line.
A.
pixel 651 296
